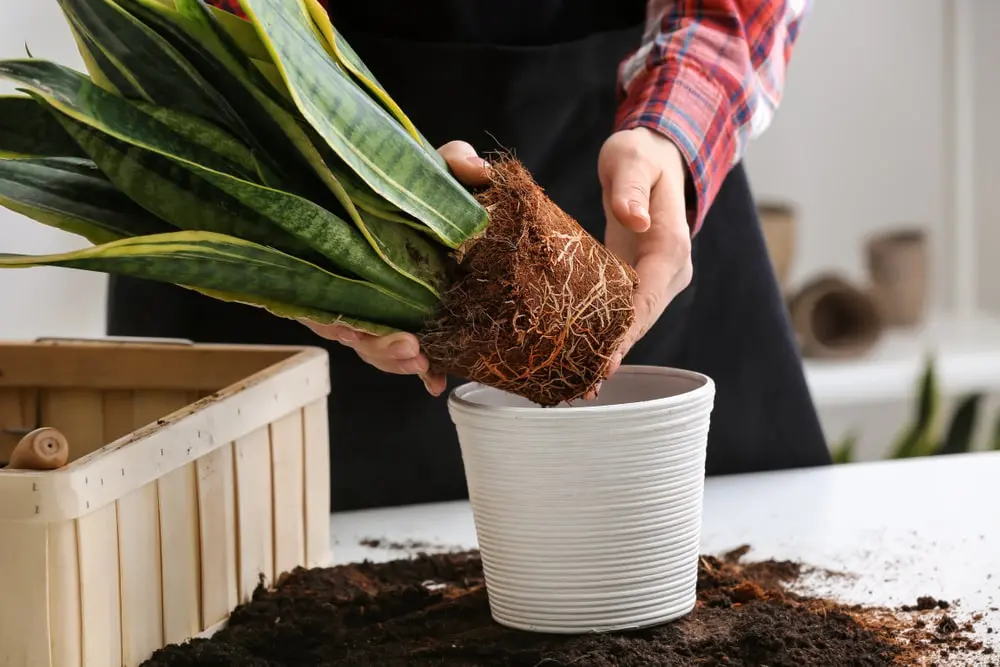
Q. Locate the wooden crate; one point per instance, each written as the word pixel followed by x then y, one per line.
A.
pixel 195 471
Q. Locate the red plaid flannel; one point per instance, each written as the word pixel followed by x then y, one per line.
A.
pixel 709 75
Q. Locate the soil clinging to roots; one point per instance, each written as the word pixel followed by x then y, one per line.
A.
pixel 539 305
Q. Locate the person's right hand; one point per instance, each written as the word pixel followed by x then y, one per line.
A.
pixel 400 353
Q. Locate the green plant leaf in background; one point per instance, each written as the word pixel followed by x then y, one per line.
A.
pixel 958 438
pixel 73 195
pixel 29 130
pixel 359 130
pixel 843 452
pixel 921 437
pixel 995 444
pixel 253 272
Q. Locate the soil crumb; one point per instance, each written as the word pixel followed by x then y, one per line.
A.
pixel 433 611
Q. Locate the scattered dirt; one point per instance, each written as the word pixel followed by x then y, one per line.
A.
pixel 409 545
pixel 433 611
pixel 539 305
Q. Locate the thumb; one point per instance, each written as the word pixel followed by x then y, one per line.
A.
pixel 631 183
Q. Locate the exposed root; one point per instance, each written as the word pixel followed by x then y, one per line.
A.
pixel 539 306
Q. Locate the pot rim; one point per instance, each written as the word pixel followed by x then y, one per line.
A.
pixel 458 398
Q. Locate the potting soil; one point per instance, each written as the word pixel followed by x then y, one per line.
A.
pixel 433 610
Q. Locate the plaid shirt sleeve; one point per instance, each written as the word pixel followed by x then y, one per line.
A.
pixel 709 75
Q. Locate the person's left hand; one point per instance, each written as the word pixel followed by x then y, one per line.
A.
pixel 643 175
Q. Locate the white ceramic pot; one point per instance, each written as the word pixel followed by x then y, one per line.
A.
pixel 589 517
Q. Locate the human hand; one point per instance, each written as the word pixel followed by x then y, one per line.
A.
pixel 642 175
pixel 399 353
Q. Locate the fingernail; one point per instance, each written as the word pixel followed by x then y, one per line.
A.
pixel 402 349
pixel 638 210
pixel 417 365
pixel 348 336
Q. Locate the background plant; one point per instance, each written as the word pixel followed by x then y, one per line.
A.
pixel 926 435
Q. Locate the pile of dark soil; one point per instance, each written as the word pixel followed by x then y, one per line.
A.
pixel 433 610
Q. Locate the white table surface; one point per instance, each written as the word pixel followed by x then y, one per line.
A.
pixel 898 529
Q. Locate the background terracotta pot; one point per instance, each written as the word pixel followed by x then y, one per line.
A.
pixel 834 319
pixel 897 262
pixel 777 220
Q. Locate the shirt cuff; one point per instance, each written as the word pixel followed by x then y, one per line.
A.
pixel 678 100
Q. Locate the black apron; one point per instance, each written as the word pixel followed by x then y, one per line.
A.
pixel 538 77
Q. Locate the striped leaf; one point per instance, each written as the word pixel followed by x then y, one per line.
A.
pixel 266 113
pixel 365 137
pixel 27 129
pixel 255 273
pixel 102 71
pixel 300 313
pixel 349 60
pixel 198 198
pixel 172 192
pixel 149 62
pixel 73 195
pixel 76 96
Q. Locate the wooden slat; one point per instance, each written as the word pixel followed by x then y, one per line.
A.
pixel 316 433
pixel 99 588
pixel 288 479
pixel 24 614
pixel 142 597
pixel 217 517
pixel 254 510
pixel 177 494
pixel 64 595
pixel 132 366
pixel 79 414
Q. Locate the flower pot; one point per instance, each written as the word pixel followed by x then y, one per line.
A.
pixel 777 222
pixel 897 262
pixel 834 319
pixel 589 516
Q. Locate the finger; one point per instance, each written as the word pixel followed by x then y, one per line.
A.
pixel 394 347
pixel 434 383
pixel 462 159
pixel 335 332
pixel 632 181
pixel 417 365
pixel 662 262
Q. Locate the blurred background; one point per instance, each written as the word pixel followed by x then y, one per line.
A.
pixel 877 186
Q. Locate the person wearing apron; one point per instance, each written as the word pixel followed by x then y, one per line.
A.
pixel 540 78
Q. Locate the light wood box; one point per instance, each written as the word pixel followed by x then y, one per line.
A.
pixel 195 471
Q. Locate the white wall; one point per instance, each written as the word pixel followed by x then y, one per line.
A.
pixel 858 143
pixel 43 301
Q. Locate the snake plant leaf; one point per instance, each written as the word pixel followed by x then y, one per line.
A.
pixel 195 197
pixel 77 97
pixel 206 260
pixel 73 195
pixel 340 49
pixel 102 70
pixel 921 437
pixel 369 140
pixel 300 313
pixel 174 193
pixel 961 430
pixel 162 74
pixel 196 33
pixel 27 129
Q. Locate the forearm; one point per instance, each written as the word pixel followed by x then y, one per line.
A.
pixel 710 76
